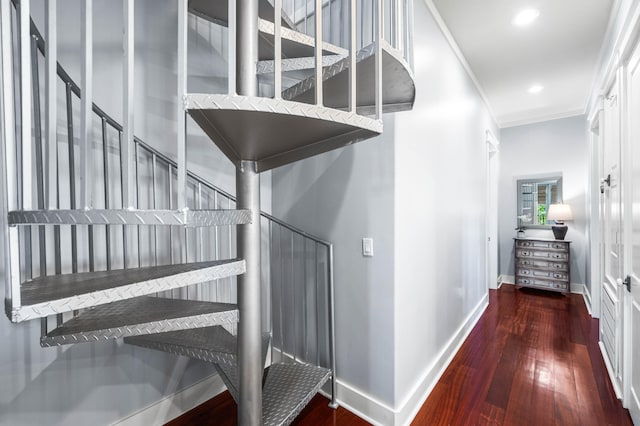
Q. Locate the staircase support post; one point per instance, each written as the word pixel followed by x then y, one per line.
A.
pixel 250 366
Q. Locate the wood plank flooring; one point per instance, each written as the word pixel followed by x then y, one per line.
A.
pixel 532 359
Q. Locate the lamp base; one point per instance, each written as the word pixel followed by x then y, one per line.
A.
pixel 559 231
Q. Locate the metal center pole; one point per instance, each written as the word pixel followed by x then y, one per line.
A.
pixel 250 328
pixel 250 366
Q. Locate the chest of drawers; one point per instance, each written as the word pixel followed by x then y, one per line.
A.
pixel 542 264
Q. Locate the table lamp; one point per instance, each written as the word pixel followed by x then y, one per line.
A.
pixel 559 213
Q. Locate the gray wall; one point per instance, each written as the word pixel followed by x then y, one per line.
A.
pixel 344 196
pixel 418 191
pixel 542 149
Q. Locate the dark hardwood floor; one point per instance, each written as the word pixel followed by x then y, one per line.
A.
pixel 532 359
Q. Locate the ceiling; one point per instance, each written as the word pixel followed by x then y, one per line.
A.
pixel 560 50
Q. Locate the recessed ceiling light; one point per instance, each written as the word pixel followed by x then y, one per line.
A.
pixel 536 88
pixel 525 17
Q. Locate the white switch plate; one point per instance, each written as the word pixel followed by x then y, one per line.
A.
pixel 367 247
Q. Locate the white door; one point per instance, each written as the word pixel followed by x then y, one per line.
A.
pixel 492 210
pixel 631 164
pixel 611 309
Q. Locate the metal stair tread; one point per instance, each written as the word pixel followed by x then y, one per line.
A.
pixel 217 11
pixel 139 316
pixel 274 132
pixel 210 344
pixel 189 218
pixel 294 43
pixel 62 293
pixel 288 389
pixel 398 88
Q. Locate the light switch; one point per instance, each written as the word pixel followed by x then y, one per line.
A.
pixel 367 247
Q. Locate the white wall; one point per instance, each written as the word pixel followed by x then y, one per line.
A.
pixel 547 148
pixel 418 191
pixel 104 382
pixel 440 195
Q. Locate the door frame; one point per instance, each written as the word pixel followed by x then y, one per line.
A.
pixel 491 202
pixel 595 220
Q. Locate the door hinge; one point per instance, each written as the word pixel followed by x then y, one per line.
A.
pixel 627 283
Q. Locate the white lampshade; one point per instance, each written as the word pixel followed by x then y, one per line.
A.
pixel 559 212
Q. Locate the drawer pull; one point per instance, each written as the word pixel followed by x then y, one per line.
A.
pixel 557 275
pixel 525 272
pixel 557 256
pixel 526 253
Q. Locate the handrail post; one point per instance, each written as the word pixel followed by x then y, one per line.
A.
pixel 51 100
pixel 318 52
pixel 128 96
pixel 8 154
pixel 86 136
pixel 181 113
pixel 277 56
pixel 378 65
pixel 332 328
pixel 353 93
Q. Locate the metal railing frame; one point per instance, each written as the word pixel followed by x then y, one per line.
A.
pixel 35 44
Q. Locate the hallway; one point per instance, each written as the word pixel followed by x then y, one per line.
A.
pixel 533 358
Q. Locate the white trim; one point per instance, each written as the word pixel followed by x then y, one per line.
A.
pixel 576 288
pixel 586 295
pixel 623 44
pixel 507 279
pixel 362 405
pixel 612 376
pixel 541 118
pixel 378 413
pixel 456 50
pixel 172 406
pixel 417 396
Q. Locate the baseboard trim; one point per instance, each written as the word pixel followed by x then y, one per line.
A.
pixel 172 406
pixel 508 279
pixel 362 405
pixel 410 407
pixel 577 288
pixel 612 376
pixel 586 295
pixel 378 413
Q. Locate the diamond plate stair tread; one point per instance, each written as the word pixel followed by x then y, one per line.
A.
pixel 189 218
pixel 274 132
pixel 288 389
pixel 217 11
pixel 62 293
pixel 398 85
pixel 210 344
pixel 140 316
pixel 294 43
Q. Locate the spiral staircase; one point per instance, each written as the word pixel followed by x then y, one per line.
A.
pixel 293 92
